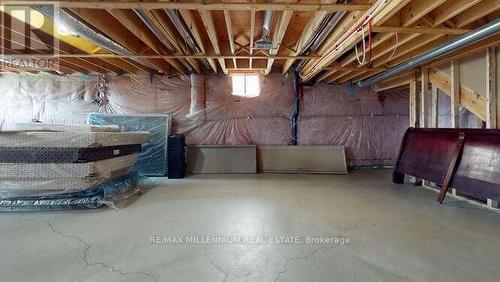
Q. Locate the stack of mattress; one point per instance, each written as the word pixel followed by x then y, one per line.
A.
pixel 52 166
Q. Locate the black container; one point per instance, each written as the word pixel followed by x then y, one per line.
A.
pixel 176 156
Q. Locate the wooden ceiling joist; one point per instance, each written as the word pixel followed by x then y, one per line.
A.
pixel 208 22
pixel 190 21
pixel 418 29
pixel 200 6
pixel 101 20
pixel 310 29
pixel 278 34
pixel 401 30
pixel 346 42
pixel 229 27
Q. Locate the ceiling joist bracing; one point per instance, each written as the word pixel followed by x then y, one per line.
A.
pixel 189 36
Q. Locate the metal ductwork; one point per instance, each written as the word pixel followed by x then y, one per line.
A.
pixel 483 32
pixel 327 26
pixel 152 27
pixel 75 25
pixel 182 28
pixel 264 42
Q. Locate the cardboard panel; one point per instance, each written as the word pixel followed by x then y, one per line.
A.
pixel 301 159
pixel 221 159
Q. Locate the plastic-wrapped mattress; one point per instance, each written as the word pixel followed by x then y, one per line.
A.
pixel 44 167
pixel 153 158
pixel 103 169
pixel 105 194
pixel 16 139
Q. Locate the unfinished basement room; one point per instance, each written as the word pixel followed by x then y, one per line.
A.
pixel 250 140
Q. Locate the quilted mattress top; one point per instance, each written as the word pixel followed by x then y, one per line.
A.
pixel 71 139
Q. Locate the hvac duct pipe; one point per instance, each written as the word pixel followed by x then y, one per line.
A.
pixel 266 26
pixel 181 27
pixel 321 36
pixel 152 27
pixel 84 30
pixel 485 31
pixel 198 99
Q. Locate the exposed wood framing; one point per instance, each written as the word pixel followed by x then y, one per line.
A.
pixel 208 21
pixel 450 9
pixel 159 19
pixel 419 29
pixel 469 99
pixel 343 43
pixel 491 88
pixel 201 6
pixel 413 102
pixel 229 27
pixel 419 24
pixel 434 106
pixel 415 10
pixel 188 18
pixel 100 19
pixel 278 34
pixel 310 29
pixel 252 34
pixel 455 93
pixel 424 98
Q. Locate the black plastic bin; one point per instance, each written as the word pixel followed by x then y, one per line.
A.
pixel 176 156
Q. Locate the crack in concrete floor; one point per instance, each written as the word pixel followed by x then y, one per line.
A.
pixel 85 256
pixel 288 260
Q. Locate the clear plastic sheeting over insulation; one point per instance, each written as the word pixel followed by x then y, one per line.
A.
pixel 329 115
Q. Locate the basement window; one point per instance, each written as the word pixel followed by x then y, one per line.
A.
pixel 246 85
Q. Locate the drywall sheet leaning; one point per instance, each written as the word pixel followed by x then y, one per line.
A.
pixel 221 159
pixel 153 159
pixel 301 159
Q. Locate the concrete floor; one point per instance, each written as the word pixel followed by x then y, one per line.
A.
pixel 397 233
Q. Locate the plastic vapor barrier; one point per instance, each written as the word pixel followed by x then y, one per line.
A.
pixel 203 108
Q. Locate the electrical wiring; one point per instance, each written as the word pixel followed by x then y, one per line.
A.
pixel 348 35
pixel 361 62
pixel 395 46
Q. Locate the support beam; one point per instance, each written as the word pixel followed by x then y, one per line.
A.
pixel 346 41
pixel 469 99
pixel 311 28
pixel 252 34
pixel 208 22
pixel 200 6
pixel 455 93
pixel 413 103
pixel 159 19
pixel 424 98
pixel 102 21
pixel 190 21
pixel 131 22
pixel 278 34
pixel 419 29
pixel 434 106
pixel 450 9
pixel 229 27
pixel 491 88
pixel 415 10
